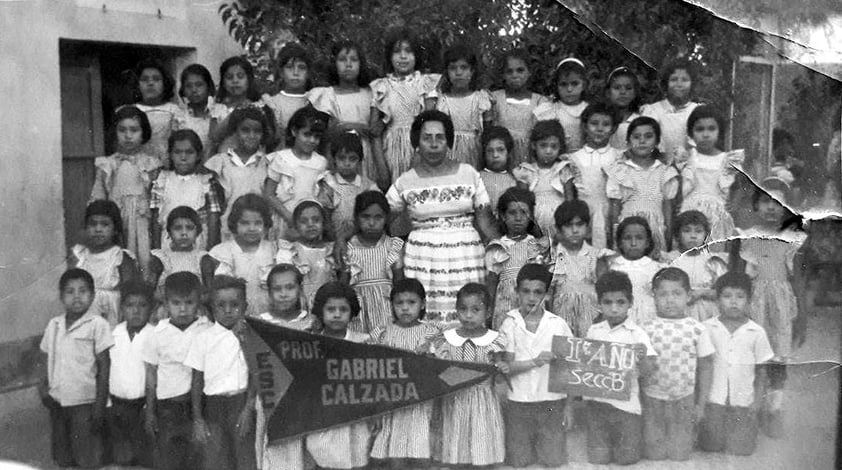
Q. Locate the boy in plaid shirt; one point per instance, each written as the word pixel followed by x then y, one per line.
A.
pixel 685 352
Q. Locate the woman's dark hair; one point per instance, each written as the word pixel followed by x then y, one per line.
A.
pixel 250 202
pixel 366 199
pixel 251 93
pixel 364 77
pixel 501 133
pixel 410 285
pixel 644 121
pixel 305 117
pixel 294 51
pixel 348 141
pixel 255 114
pixel 184 212
pixel 569 210
pixel 133 112
pixel 431 116
pixel 454 53
pixel 515 194
pixel 393 39
pixel 636 220
pixel 108 209
pixel 568 66
pixel 335 290
pixel 671 67
pixel 169 83
pixel 691 217
pixel 623 71
pixel 705 112
pixel 189 135
pixel 200 71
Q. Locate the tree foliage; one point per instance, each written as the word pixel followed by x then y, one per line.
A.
pixel 641 34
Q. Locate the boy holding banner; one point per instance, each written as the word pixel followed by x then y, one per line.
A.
pixel 536 419
pixel 670 406
pixel 615 427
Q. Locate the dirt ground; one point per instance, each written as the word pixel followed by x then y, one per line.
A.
pixel 811 421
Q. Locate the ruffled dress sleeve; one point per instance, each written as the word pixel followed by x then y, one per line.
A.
pixel 282 171
pixel 481 198
pixel 393 195
pixel 716 266
pixel 544 111
pixel 286 252
pixel 669 182
pixel 324 100
pixel 497 253
pixel 104 179
pixel 380 98
pixel 429 86
pixel 565 171
pixel 526 173
pixel 734 158
pixel 484 101
pixel 223 254
pixel 538 251
pixel 618 181
pixel 394 258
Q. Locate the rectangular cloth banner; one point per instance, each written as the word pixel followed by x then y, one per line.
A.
pixel 309 382
pixel 592 368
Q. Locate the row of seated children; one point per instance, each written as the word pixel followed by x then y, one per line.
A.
pixel 181 395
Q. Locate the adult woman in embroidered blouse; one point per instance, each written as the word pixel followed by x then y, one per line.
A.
pixel 447 203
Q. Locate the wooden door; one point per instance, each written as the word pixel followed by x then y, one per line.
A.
pixel 82 137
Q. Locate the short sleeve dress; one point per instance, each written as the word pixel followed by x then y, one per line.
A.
pixel 472 429
pixel 444 250
pixel 505 257
pixel 237 178
pixel 163 119
pixel 640 272
pixel 642 191
pixel 253 267
pixel 297 180
pixel 104 267
pixel 570 118
pixel 466 112
pixel 353 108
pixel 574 278
pixel 703 268
pixel 706 184
pixel 315 263
pixel 548 186
pixel 400 99
pixel 673 122
pixel 404 433
pixel 283 106
pixel 516 116
pixel 591 163
pixel 371 277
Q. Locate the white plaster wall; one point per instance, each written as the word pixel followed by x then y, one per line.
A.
pixel 32 253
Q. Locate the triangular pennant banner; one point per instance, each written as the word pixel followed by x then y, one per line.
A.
pixel 308 382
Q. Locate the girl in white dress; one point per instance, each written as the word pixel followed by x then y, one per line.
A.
pixel 570 82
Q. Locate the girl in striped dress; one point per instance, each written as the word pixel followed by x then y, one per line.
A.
pixel 514 104
pixel 470 431
pixel 469 108
pixel 572 289
pixel 405 433
pixel 496 174
pixel 373 259
pixel 505 256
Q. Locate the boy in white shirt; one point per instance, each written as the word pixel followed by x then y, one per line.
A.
pixel 75 389
pixel 730 421
pixel 168 381
pixel 615 427
pixel 127 380
pixel 536 419
pixel 221 377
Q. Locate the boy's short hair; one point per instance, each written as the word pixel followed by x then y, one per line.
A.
pixel 137 288
pixel 671 273
pixel 614 281
pixel 335 290
pixel 73 274
pixel 182 283
pixel 691 217
pixel 473 288
pixel 534 272
pixel 222 281
pixel 569 210
pixel 600 107
pixel 184 212
pixel 735 280
pixel 281 269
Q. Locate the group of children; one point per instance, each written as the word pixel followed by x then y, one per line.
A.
pixel 233 197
